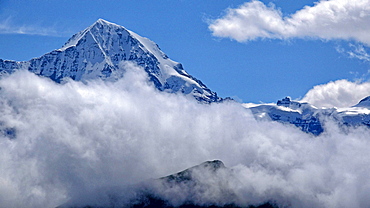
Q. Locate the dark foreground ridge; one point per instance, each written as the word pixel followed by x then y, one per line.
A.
pixel 163 192
pixel 158 203
pixel 187 175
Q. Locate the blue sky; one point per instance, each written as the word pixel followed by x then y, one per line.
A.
pixel 254 68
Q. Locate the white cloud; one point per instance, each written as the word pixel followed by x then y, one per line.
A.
pixel 327 19
pixel 80 140
pixel 340 93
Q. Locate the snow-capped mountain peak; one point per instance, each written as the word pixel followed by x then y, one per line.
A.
pixel 100 24
pixel 98 50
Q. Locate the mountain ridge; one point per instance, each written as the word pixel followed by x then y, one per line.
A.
pixel 163 192
pixel 309 118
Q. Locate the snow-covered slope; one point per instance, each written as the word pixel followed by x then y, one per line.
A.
pixel 302 115
pixel 310 118
pixel 364 103
pixel 97 52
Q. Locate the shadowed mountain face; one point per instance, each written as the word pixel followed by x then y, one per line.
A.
pixel 100 50
pixel 201 186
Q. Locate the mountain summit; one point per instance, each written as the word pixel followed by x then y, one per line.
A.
pixel 97 51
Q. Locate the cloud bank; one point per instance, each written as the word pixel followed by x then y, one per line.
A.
pixel 76 142
pixel 327 19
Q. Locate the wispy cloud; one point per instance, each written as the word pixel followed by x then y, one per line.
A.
pixel 7 26
pixel 354 50
pixel 328 20
pixel 359 51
